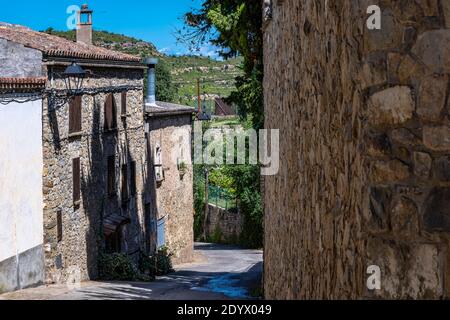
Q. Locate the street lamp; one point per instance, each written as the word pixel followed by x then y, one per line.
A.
pixel 73 78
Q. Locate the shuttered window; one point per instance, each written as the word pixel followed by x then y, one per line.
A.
pixel 76 180
pixel 124 182
pixel 110 113
pixel 123 109
pixel 133 179
pixel 75 115
pixel 111 175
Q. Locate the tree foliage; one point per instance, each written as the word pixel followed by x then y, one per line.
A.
pixel 235 26
pixel 166 89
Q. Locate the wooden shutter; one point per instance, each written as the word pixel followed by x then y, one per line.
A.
pixel 124 182
pixel 110 113
pixel 75 114
pixel 59 224
pixel 76 180
pixel 123 109
pixel 111 175
pixel 133 178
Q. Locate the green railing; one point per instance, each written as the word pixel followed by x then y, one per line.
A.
pixel 221 198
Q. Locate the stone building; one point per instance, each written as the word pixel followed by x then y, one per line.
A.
pixel 169 144
pixel 97 180
pixel 367 183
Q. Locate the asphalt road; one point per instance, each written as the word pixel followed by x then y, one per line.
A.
pixel 225 272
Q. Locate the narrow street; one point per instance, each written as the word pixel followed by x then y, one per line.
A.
pixel 220 272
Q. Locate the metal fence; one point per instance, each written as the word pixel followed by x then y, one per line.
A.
pixel 221 198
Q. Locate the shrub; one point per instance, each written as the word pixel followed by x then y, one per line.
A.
pixel 116 266
pixel 216 236
pixel 157 265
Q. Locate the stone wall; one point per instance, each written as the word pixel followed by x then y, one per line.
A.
pixel 226 224
pixel 75 256
pixel 172 197
pixel 364 148
pixel 19 61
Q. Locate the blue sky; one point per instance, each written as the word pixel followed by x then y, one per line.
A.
pixel 150 20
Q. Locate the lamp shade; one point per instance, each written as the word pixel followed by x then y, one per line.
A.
pixel 73 78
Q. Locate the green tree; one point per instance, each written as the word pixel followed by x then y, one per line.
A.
pixel 235 26
pixel 166 89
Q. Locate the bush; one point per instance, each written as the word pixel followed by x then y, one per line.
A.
pixel 157 265
pixel 116 266
pixel 216 236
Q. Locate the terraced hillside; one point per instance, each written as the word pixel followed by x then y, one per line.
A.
pixel 216 77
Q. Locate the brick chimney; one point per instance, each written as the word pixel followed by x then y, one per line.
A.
pixel 84 25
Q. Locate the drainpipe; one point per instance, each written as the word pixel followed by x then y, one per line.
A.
pixel 150 100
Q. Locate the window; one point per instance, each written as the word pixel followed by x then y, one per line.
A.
pixel 75 115
pixel 59 224
pixel 111 175
pixel 110 113
pixel 123 109
pixel 76 180
pixel 124 183
pixel 133 179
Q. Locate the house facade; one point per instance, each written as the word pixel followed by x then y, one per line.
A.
pixel 169 144
pixel 21 169
pixel 96 189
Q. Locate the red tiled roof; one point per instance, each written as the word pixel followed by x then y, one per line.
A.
pixel 22 84
pixel 54 46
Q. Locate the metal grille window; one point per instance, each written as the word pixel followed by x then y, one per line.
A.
pixel 111 175
pixel 110 113
pixel 76 180
pixel 75 115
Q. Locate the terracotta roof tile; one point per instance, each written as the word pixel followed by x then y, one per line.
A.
pixel 22 84
pixel 54 46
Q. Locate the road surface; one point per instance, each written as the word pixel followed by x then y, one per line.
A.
pixel 224 272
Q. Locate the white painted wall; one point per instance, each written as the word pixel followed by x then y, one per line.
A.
pixel 21 166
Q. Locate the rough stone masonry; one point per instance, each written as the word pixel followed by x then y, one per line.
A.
pixel 368 182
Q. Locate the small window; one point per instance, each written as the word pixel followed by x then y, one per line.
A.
pixel 124 182
pixel 75 115
pixel 111 175
pixel 133 179
pixel 59 225
pixel 123 109
pixel 110 113
pixel 76 180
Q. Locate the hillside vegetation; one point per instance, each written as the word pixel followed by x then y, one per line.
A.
pixel 216 77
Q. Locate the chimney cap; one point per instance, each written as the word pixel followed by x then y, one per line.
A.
pixel 85 9
pixel 150 61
